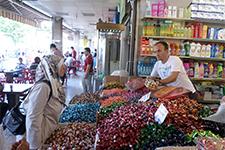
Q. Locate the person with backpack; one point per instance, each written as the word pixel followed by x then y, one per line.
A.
pixel 44 102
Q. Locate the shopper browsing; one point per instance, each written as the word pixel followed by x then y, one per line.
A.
pixel 170 69
pixel 88 70
pixel 44 102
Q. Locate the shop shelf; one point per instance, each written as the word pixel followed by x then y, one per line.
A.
pixel 222 80
pixel 212 21
pixel 166 18
pixel 185 38
pixel 203 58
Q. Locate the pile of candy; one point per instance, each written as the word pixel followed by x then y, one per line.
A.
pixel 155 135
pixel 77 135
pixel 109 101
pixel 105 111
pixel 122 127
pixel 85 98
pixel 151 84
pixel 112 92
pixel 80 113
pixel 183 113
pixel 113 85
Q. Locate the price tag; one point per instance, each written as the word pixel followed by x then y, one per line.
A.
pixel 160 114
pixel 145 97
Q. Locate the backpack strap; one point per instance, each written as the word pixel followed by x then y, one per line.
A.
pixel 49 84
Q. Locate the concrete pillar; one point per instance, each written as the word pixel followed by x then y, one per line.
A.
pixel 57 31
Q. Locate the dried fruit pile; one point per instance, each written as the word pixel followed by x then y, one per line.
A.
pixel 85 98
pixel 79 136
pixel 80 113
pixel 122 127
pixel 183 113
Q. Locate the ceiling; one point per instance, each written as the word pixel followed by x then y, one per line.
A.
pixel 79 15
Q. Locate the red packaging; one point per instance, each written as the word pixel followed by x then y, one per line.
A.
pixel 200 31
pixel 196 30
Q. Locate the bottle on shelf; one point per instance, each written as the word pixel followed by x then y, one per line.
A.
pixel 211 70
pixel 215 71
pixel 187 48
pixel 196 72
pixel 206 70
pixel 192 49
pixel 203 51
pixel 220 70
pixel 198 50
pixel 201 70
pixel 192 70
pixel 208 51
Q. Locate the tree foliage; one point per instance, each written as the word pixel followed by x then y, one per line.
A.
pixel 15 30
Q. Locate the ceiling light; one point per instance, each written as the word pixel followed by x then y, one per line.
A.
pixel 88 14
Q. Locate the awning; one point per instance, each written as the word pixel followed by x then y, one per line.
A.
pixel 21 12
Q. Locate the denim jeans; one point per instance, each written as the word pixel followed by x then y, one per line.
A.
pixel 87 84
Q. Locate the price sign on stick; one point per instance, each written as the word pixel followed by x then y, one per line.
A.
pixel 145 97
pixel 160 114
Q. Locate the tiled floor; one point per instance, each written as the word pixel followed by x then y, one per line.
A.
pixel 73 86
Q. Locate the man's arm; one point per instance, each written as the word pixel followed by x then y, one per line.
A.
pixel 171 78
pixel 87 71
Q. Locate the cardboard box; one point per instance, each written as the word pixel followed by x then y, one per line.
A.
pixel 122 80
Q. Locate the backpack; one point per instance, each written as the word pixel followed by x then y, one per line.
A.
pixel 15 120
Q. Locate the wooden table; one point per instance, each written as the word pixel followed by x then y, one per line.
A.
pixel 13 91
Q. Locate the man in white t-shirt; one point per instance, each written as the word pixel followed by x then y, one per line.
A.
pixel 170 69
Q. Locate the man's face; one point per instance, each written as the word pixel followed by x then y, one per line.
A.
pixel 53 49
pixel 161 52
pixel 85 53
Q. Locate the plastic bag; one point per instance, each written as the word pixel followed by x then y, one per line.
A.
pixel 135 84
pixel 207 143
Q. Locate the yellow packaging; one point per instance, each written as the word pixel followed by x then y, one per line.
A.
pixel 204 31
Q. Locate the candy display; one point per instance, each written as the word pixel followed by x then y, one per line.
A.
pixel 80 113
pixel 183 113
pixel 135 84
pixel 151 84
pixel 154 135
pixel 192 137
pixel 109 101
pixel 111 92
pixel 105 111
pixel 205 112
pixel 122 127
pixel 134 96
pixel 77 136
pixel 113 85
pixel 206 143
pixel 85 98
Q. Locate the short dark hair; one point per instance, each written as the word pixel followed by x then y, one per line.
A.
pixel 72 47
pixel 37 59
pixel 165 44
pixel 52 46
pixel 87 49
